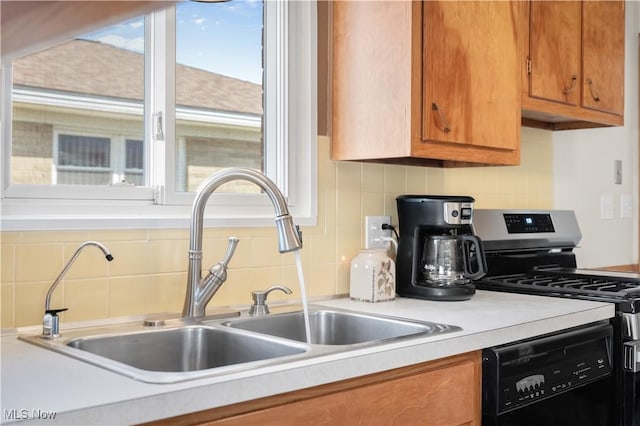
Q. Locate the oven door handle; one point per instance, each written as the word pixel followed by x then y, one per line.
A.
pixel 632 356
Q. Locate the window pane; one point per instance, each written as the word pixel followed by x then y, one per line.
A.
pixel 84 151
pixel 134 155
pixel 134 162
pixel 218 91
pixel 78 177
pixel 91 86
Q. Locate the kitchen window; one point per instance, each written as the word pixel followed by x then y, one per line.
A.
pixel 125 122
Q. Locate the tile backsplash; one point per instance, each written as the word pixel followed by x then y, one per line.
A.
pixel 149 271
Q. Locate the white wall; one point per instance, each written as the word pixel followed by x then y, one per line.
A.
pixel 584 172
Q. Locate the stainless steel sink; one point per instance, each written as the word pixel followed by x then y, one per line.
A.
pixel 189 348
pixel 178 349
pixel 175 353
pixel 334 327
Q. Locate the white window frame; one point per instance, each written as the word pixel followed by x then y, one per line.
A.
pixel 292 107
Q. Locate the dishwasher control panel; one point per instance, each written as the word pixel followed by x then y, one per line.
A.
pixel 527 371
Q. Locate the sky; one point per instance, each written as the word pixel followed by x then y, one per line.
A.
pixel 220 37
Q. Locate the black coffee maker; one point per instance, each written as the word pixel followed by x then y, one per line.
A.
pixel 438 256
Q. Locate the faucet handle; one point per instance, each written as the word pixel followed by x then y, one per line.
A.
pixel 210 284
pixel 231 249
pixel 55 312
pixel 259 297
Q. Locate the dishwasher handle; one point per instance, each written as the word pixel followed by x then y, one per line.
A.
pixel 632 356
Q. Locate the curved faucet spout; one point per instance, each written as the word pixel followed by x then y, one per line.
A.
pixel 288 234
pixel 50 321
pixel 105 251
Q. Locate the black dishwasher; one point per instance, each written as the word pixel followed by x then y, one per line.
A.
pixel 560 379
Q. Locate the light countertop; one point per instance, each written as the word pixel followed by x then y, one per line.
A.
pixel 35 381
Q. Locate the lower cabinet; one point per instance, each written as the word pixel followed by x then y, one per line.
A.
pixel 444 392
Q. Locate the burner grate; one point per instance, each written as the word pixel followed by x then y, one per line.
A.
pixel 572 283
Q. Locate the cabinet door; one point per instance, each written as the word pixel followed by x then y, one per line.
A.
pixel 603 56
pixel 447 396
pixel 371 79
pixel 554 51
pixel 470 70
pixel 443 392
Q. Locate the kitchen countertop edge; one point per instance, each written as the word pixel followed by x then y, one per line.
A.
pixel 488 319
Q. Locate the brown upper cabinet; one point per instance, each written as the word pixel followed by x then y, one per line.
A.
pixel 573 64
pixel 426 83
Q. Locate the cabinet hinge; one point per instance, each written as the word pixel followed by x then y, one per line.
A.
pixel 528 65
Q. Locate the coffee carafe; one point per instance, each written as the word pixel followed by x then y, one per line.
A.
pixel 438 255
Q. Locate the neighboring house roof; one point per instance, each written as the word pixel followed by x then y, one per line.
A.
pixel 98 69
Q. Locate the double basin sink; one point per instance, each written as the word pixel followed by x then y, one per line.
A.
pixel 185 350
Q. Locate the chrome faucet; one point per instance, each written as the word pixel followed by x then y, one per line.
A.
pixel 201 290
pixel 50 321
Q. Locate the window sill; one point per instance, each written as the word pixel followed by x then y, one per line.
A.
pixel 20 216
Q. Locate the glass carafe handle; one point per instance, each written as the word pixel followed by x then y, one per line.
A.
pixel 467 241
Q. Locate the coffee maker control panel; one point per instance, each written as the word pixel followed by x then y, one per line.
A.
pixel 458 213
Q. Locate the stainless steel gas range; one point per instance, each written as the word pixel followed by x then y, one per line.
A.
pixel 532 252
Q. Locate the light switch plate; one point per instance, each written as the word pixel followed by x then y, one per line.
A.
pixel 626 206
pixel 606 207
